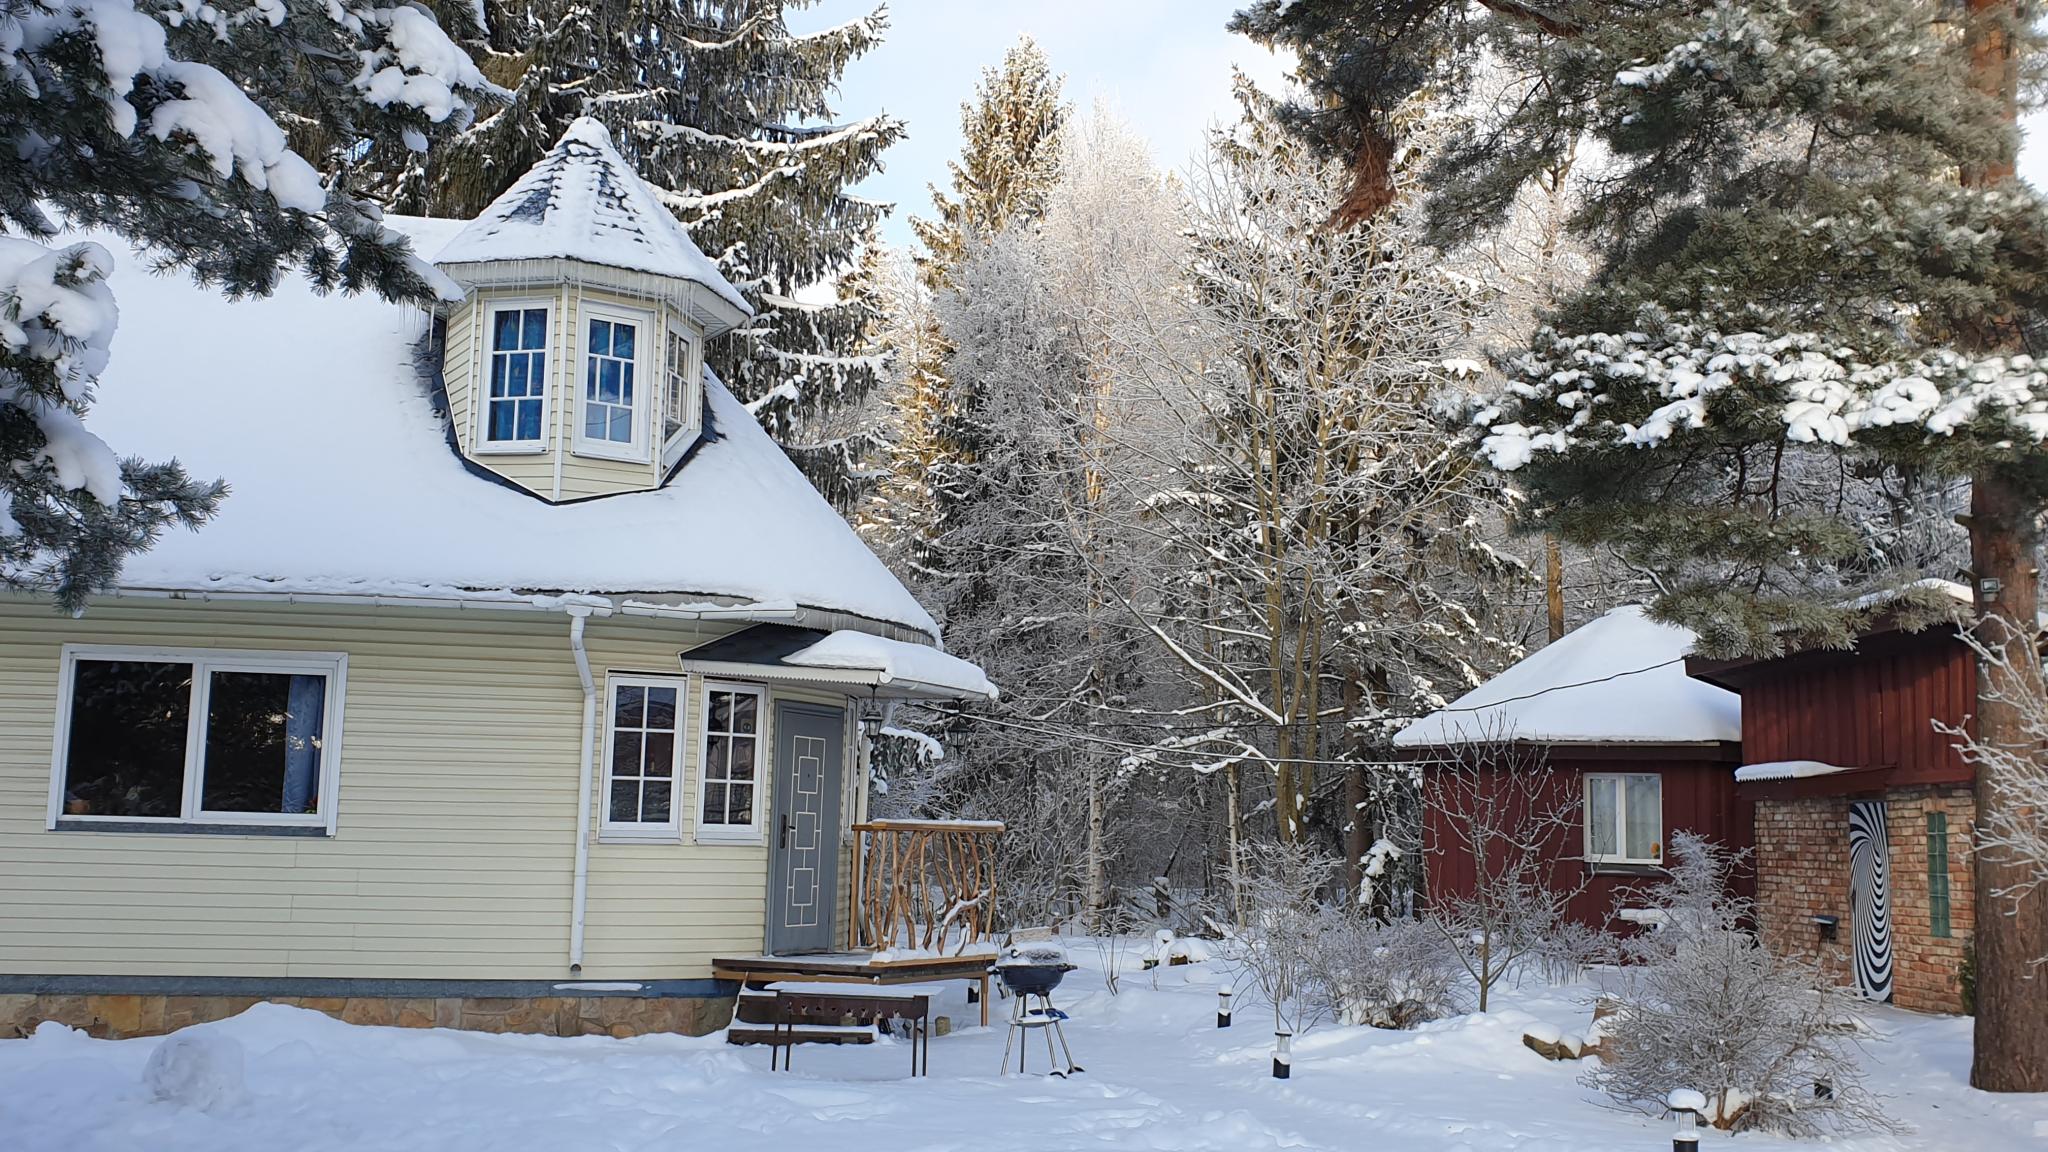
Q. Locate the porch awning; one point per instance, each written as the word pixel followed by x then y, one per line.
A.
pixel 856 663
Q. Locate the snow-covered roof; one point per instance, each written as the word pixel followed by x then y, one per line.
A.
pixel 315 412
pixel 899 663
pixel 1787 770
pixel 1619 679
pixel 584 202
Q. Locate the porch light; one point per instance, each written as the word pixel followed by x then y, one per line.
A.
pixel 1687 1105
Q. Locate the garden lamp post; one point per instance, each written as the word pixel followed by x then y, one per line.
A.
pixel 1223 1008
pixel 1283 1057
pixel 1687 1105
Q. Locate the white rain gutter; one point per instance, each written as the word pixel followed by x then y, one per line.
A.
pixel 579 615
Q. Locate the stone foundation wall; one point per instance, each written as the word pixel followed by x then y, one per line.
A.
pixel 120 1016
pixel 1802 858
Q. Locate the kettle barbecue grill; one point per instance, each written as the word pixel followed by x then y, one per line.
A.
pixel 1030 972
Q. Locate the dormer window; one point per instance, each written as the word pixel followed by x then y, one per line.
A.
pixel 515 409
pixel 678 415
pixel 613 399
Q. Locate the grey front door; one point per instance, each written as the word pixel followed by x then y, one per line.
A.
pixel 803 880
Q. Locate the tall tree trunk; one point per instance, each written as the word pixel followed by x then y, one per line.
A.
pixel 1553 585
pixel 1356 838
pixel 1095 880
pixel 2011 1047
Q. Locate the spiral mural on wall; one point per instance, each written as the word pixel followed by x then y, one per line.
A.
pixel 1870 890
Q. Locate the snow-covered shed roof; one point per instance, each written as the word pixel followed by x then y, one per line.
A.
pixel 582 201
pixel 1619 679
pixel 315 411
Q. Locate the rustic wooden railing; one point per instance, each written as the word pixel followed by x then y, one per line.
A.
pixel 926 888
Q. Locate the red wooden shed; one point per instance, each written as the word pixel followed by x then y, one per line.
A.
pixel 1862 809
pixel 1643 751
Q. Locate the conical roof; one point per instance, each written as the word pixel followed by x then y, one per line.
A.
pixel 1619 679
pixel 582 201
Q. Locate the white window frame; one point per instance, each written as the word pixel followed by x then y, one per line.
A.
pixel 484 444
pixel 205 662
pixel 1620 780
pixel 671 831
pixel 673 447
pixel 643 407
pixel 731 833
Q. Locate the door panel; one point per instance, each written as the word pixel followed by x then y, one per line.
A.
pixel 810 754
pixel 1870 912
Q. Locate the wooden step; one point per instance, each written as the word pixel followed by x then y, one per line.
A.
pixel 802 1034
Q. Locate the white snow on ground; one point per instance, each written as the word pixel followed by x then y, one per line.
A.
pixel 1159 1076
pixel 313 411
pixel 1617 679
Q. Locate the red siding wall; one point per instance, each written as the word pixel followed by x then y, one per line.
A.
pixel 1699 796
pixel 1872 708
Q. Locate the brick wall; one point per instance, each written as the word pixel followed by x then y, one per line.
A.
pixel 1802 855
pixel 1802 871
pixel 1926 969
pixel 116 1017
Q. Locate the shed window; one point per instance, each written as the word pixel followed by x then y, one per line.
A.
pixel 642 755
pixel 516 407
pixel 731 762
pixel 211 738
pixel 1624 818
pixel 1937 875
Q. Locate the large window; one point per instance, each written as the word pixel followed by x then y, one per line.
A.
pixel 642 756
pixel 515 407
pixel 197 738
pixel 1625 819
pixel 730 772
pixel 613 396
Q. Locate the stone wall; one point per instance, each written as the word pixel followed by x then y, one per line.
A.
pixel 120 1016
pixel 1802 855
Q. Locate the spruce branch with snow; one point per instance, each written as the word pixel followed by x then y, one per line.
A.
pixel 1770 1042
pixel 161 123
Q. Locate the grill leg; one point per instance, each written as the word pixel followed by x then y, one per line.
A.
pixel 1052 1058
pixel 1060 1027
pixel 1009 1039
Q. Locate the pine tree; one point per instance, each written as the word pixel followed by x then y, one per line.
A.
pixel 1007 167
pixel 1817 276
pixel 729 115
pixel 163 127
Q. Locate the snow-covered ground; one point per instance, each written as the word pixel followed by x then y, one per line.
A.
pixel 1159 1076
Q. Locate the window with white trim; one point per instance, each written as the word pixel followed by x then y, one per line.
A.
pixel 1624 818
pixel 612 403
pixel 516 379
pixel 729 773
pixel 642 755
pixel 676 414
pixel 197 737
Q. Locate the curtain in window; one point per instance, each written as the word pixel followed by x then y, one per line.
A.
pixel 305 710
pixel 1601 816
pixel 1645 810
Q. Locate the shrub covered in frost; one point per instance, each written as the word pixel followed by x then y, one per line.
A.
pixel 1768 1040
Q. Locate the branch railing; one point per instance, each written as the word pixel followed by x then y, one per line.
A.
pixel 926 888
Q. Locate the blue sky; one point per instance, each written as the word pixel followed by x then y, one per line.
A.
pixel 1163 65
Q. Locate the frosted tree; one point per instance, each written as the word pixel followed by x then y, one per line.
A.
pixel 1327 548
pixel 167 127
pixel 1814 265
pixel 730 116
pixel 1008 163
pixel 1768 1041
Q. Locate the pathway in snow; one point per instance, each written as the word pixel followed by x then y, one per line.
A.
pixel 1160 1076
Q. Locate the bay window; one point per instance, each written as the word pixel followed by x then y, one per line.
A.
pixel 613 398
pixel 180 740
